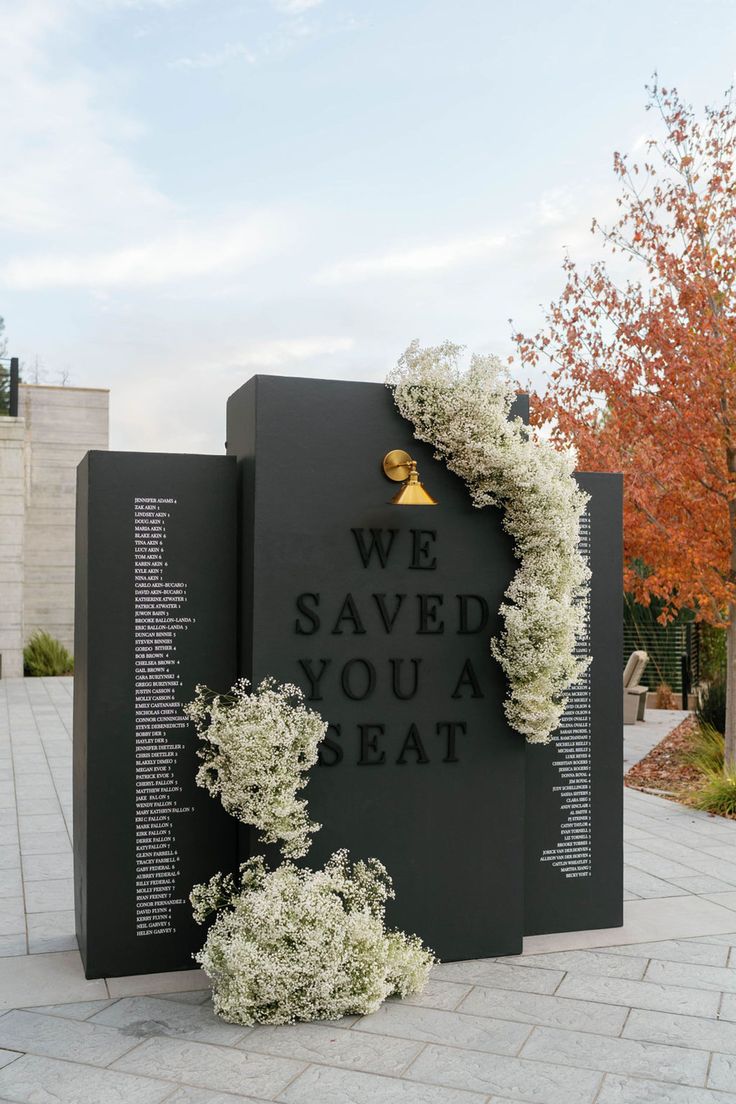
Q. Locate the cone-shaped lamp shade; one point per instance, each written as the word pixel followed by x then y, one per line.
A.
pixel 412 493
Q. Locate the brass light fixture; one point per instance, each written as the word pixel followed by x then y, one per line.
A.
pixel 399 466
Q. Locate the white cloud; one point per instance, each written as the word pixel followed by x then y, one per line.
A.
pixel 275 354
pixel 178 255
pixel 295 7
pixel 65 169
pixel 421 259
pixel 233 51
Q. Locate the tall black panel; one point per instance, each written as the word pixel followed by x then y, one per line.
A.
pixel 155 614
pixel 574 793
pixel 383 615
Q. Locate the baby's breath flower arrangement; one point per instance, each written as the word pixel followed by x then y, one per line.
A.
pixel 464 414
pixel 297 944
pixel 256 751
pixel 291 943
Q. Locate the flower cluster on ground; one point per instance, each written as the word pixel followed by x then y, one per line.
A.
pixel 290 943
pixel 464 413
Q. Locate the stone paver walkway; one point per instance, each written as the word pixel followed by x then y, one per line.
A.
pixel 640 1015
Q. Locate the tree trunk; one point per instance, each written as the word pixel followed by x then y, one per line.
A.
pixel 731 690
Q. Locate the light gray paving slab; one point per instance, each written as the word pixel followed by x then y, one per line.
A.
pixel 35 1080
pixel 11 883
pixel 722 1072
pixel 46 979
pixel 54 1037
pixel 432 1025
pixel 12 916
pixel 532 1081
pixel 728 899
pixel 641 994
pixel 144 1016
pixel 189 1095
pixel 682 1065
pixel 31 824
pixel 334 1046
pixel 678 950
pixel 12 945
pixel 727 940
pixel 198 996
pixel 657 865
pixel 322 1085
pixel 45 843
pixel 634 1090
pixel 647 886
pixel 50 895
pixel 692 1031
pixel 528 979
pixel 698 977
pixel 9 857
pixel 50 931
pixel 8 1056
pixel 535 1008
pixel 140 985
pixel 79 1010
pixel 702 883
pixel 597 963
pixel 54 865
pixel 439 994
pixel 211 1067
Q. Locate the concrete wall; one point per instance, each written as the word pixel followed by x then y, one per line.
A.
pixel 62 424
pixel 12 506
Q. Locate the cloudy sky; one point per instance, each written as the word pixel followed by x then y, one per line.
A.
pixel 193 191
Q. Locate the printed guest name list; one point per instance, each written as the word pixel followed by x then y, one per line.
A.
pixel 160 616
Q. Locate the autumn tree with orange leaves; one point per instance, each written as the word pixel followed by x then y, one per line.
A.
pixel 642 371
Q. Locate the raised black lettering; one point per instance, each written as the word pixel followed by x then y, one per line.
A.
pixel 301 605
pixel 379 544
pixel 469 678
pixel 315 677
pixel 396 665
pixel 428 610
pixel 452 727
pixel 349 612
pixel 421 549
pixel 346 680
pixel 481 613
pixel 387 618
pixel 413 742
pixel 369 734
pixel 330 752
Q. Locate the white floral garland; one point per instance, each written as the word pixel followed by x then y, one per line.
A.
pixel 290 943
pixel 256 750
pixel 464 414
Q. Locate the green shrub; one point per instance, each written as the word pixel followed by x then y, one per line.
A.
pixel 706 753
pixel 44 655
pixel 711 708
pixel 718 795
pixel 712 653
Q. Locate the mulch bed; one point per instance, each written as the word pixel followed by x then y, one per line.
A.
pixel 663 772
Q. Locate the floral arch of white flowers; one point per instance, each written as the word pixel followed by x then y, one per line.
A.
pixel 465 415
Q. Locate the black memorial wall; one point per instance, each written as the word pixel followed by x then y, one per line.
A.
pixel 382 614
pixel 155 615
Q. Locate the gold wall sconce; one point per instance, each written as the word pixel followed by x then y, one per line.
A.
pixel 399 466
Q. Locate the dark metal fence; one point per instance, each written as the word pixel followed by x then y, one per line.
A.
pixel 673 650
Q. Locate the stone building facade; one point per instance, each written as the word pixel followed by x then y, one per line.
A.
pixel 39 453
